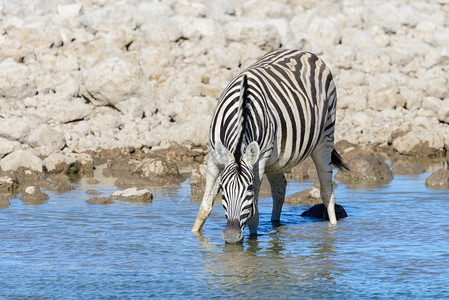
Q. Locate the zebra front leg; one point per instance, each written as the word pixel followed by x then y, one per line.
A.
pixel 322 159
pixel 210 193
pixel 278 185
pixel 253 223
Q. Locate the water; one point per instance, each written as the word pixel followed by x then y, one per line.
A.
pixel 394 244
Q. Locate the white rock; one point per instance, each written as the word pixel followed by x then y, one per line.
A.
pixel 21 158
pixel 266 9
pixel 419 141
pixel 430 106
pixel 115 81
pixel 382 91
pixel 70 110
pixel 14 129
pixel 46 136
pixel 324 32
pixel 133 194
pixel 7 146
pixel 70 11
pixel 16 80
pixel 190 8
pixel 443 114
pixel 261 34
pixel 217 9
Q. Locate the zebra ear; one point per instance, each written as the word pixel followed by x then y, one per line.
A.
pixel 222 154
pixel 252 153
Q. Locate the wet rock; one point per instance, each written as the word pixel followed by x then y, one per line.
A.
pixel 343 146
pixel 60 163
pixel 93 192
pixel 304 170
pixel 32 195
pixel 92 181
pixel 8 183
pixel 356 152
pixel 134 194
pixel 198 177
pixel 157 168
pixel 410 169
pixel 21 158
pixel 438 180
pixel 119 167
pixel 4 201
pixel 57 182
pixel 366 169
pixel 100 200
pixel 310 196
pixel 130 181
pixel 319 211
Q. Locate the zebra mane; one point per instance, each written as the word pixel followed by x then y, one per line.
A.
pixel 241 117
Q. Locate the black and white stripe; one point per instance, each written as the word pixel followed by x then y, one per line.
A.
pixel 285 102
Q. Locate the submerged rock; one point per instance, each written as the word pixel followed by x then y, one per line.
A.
pixel 310 196
pixel 32 195
pixel 57 182
pixel 8 183
pixel 134 194
pixel 438 180
pixel 411 169
pixel 100 200
pixel 366 169
pixel 319 211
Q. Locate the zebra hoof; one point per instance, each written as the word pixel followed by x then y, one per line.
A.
pixel 319 211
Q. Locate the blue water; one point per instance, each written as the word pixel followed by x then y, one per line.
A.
pixel 394 244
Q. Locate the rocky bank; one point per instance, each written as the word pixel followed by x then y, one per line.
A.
pixel 79 77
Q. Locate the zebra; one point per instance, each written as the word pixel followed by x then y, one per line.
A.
pixel 270 117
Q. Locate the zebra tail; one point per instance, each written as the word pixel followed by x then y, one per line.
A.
pixel 337 161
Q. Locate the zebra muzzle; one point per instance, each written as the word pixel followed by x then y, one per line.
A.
pixel 232 233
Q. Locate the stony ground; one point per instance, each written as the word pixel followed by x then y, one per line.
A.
pixel 79 77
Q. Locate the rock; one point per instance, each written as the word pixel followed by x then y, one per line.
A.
pixel 46 136
pixel 21 158
pixel 319 211
pixel 93 192
pixel 366 169
pixel 198 177
pixel 32 195
pixel 119 82
pixel 16 80
pixel 357 151
pixel 157 167
pixel 411 169
pixel 60 163
pixel 8 183
pixel 92 181
pixel 57 182
pixel 310 196
pixel 14 129
pixel 66 111
pixel 302 171
pixel 134 194
pixel 119 168
pixel 383 91
pixel 100 200
pixel 324 32
pixel 420 142
pixel 438 180
pixel 6 147
pixel 4 201
pixel 128 182
pixel 443 112
pixel 261 34
pixel 70 11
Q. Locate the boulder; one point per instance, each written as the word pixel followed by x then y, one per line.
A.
pixel 134 194
pixel 16 80
pixel 14 129
pixel 7 146
pixel 310 196
pixel 21 158
pixel 119 83
pixel 419 141
pixel 443 112
pixel 438 180
pixel 57 182
pixel 100 200
pixel 366 169
pixel 8 183
pixel 319 211
pixel 157 167
pixel 32 195
pixel 61 163
pixel 47 136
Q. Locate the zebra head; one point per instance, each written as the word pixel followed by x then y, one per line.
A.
pixel 237 188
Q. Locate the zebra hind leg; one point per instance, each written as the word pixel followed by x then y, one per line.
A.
pixel 322 159
pixel 278 185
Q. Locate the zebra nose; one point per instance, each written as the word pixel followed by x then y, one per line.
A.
pixel 232 233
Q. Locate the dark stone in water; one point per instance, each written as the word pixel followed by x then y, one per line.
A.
pixel 320 211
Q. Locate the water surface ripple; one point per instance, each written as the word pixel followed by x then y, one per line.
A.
pixel 394 244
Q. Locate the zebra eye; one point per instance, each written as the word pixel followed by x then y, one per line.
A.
pixel 250 188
